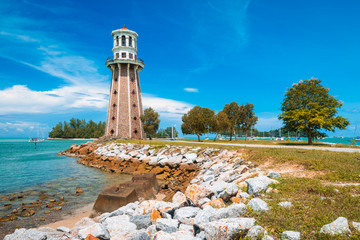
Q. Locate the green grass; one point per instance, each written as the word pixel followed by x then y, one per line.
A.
pixel 337 166
pixel 284 143
pixel 309 212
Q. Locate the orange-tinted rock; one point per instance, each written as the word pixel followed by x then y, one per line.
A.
pixel 141 168
pixel 197 192
pixel 188 167
pixel 91 237
pixel 83 150
pixel 26 213
pixel 238 200
pixel 8 218
pixel 155 215
pixel 129 169
pixel 217 203
pixel 157 170
pixel 177 173
pixel 162 176
pixel 79 190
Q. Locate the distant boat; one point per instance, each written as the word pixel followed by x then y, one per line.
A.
pixel 38 139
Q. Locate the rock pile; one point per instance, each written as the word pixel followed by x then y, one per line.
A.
pixel 221 189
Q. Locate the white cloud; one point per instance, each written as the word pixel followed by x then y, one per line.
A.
pixel 21 99
pixel 166 107
pixel 21 126
pixel 195 90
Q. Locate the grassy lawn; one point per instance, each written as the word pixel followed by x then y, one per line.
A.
pixel 314 203
pixel 284 143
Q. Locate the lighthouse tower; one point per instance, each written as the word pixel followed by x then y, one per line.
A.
pixel 125 105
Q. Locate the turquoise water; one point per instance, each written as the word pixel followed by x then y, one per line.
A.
pixel 23 167
pixel 28 175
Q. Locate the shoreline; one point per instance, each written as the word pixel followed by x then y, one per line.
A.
pixel 70 220
pixel 72 139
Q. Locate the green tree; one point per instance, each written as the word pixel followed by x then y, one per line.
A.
pixel 232 112
pixel 221 124
pixel 77 128
pixel 171 130
pixel 197 121
pixel 308 106
pixel 150 120
pixel 247 118
pixel 160 133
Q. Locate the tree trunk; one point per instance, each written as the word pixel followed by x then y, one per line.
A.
pixel 309 137
pixel 235 134
pixel 231 132
pixel 198 137
pixel 246 133
pixel 216 137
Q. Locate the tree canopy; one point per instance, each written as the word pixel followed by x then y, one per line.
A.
pixel 221 123
pixel 77 128
pixel 150 120
pixel 308 106
pixel 166 133
pixel 197 121
pixel 232 112
pixel 247 118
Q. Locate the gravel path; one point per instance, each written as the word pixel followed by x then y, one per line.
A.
pixel 333 149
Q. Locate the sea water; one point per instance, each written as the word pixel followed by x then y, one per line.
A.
pixel 24 167
pixel 39 174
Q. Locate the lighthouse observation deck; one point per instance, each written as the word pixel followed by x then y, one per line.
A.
pixel 138 61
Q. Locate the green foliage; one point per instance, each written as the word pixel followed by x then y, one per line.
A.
pixel 221 123
pixel 308 106
pixel 247 118
pixel 77 128
pixel 197 121
pixel 232 111
pixel 166 133
pixel 151 121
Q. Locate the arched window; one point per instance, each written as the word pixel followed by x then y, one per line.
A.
pixel 115 92
pixel 114 105
pixel 115 79
pixel 117 40
pixel 135 131
pixel 112 131
pixel 123 40
pixel 135 118
pixel 113 118
pixel 134 105
pixel 130 42
pixel 133 92
pixel 132 79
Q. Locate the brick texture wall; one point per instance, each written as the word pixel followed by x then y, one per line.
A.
pixel 123 120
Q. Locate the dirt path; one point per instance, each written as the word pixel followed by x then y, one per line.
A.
pixel 333 149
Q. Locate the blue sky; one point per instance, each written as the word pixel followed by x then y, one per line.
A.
pixel 207 53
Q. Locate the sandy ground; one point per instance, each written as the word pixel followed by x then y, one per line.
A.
pixel 69 221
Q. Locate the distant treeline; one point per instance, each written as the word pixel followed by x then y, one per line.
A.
pixel 77 128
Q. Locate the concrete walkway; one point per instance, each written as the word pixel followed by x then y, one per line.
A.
pixel 333 149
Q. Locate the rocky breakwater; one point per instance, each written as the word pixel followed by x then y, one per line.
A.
pixel 215 204
pixel 174 166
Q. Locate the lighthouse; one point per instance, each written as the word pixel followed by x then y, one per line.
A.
pixel 125 105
